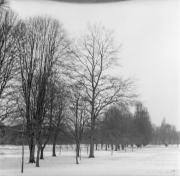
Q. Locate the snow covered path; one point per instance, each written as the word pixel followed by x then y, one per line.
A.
pixel 148 161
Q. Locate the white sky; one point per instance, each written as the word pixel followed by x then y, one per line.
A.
pixel 148 32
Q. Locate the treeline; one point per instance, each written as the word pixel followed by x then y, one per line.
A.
pixel 165 134
pixel 54 89
pixel 116 126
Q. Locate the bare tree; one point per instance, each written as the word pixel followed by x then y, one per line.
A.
pixel 115 127
pixel 47 129
pixel 94 54
pixel 60 110
pixel 42 46
pixel 78 117
pixel 8 54
pixel 142 125
pixel 155 134
pixel 163 132
pixel 174 134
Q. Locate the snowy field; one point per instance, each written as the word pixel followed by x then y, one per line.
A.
pixel 151 160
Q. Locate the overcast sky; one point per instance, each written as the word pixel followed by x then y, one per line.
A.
pixel 148 32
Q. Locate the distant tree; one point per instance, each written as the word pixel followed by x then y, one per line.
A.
pixel 115 127
pixel 174 135
pixel 2 130
pixel 94 53
pixel 142 125
pixel 178 137
pixel 167 133
pixel 155 134
pixel 47 130
pixel 110 126
pixel 61 95
pixel 171 134
pixel 163 132
pixel 78 116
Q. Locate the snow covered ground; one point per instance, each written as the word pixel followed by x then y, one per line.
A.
pixel 151 160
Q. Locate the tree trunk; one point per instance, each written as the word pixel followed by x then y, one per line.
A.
pixel 77 153
pixel 116 147
pixel 122 146
pixel 80 152
pixel 106 147
pixel 96 146
pixel 54 145
pixel 112 147
pixel 91 154
pixel 31 152
pixel 87 148
pixel 76 157
pixel 77 149
pixel 42 150
pixel 54 149
pixel 132 147
pixel 37 157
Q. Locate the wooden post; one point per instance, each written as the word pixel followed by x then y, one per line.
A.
pixel 22 136
pixel 80 152
pixel 22 167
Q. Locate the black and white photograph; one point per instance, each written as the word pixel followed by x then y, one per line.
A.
pixel 89 87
